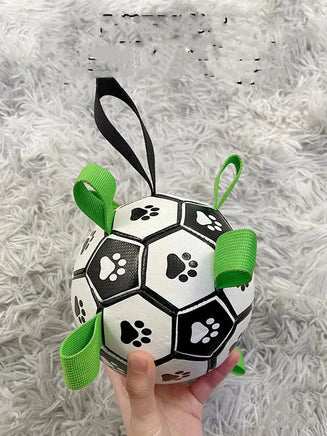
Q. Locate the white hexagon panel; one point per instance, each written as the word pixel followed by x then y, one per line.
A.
pixel 82 301
pixel 180 370
pixel 240 297
pixel 88 247
pixel 145 217
pixel 180 268
pixel 135 323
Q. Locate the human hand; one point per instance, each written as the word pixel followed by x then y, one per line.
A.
pixel 150 409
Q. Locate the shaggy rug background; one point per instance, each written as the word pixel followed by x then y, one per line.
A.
pixel 279 127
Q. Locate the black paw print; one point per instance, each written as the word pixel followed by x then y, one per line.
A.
pixel 144 214
pixel 129 333
pixel 243 287
pixel 178 375
pixel 191 264
pixel 175 266
pixel 79 311
pixel 87 242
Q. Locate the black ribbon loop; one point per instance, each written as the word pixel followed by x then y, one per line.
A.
pixel 110 86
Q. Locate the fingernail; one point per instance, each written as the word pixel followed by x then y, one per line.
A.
pixel 138 365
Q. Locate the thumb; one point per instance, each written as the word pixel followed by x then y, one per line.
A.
pixel 140 383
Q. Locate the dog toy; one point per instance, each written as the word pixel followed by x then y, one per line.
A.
pixel 162 274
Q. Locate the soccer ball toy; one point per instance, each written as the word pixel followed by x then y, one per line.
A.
pixel 162 274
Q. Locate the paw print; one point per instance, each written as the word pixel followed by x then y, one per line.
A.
pixel 79 311
pixel 192 264
pixel 113 267
pixel 175 266
pixel 200 331
pixel 151 211
pixel 130 334
pixel 144 213
pixel 87 242
pixel 209 221
pixel 215 224
pixel 243 287
pixel 178 375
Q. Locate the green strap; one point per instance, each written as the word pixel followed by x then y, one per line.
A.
pixel 239 368
pixel 80 353
pixel 237 161
pixel 114 204
pixel 235 251
pixel 98 204
pixel 234 260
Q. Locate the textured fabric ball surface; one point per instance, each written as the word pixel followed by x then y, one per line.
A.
pixel 153 278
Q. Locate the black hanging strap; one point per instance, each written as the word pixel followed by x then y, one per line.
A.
pixel 110 86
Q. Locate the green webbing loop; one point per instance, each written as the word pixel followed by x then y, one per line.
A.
pixel 98 204
pixel 114 204
pixel 237 161
pixel 234 260
pixel 80 353
pixel 239 368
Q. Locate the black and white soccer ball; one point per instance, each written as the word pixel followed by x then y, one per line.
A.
pixel 153 278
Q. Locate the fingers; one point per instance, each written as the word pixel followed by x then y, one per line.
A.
pixel 203 387
pixel 119 383
pixel 140 383
pixel 136 396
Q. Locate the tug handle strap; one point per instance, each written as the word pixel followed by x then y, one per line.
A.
pixel 234 259
pixel 236 250
pixel 237 162
pixel 80 353
pixel 97 204
pixel 109 86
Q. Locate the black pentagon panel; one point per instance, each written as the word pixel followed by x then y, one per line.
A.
pixel 201 330
pixel 204 221
pixel 115 267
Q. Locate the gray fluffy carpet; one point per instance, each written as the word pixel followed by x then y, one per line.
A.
pixel 278 124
